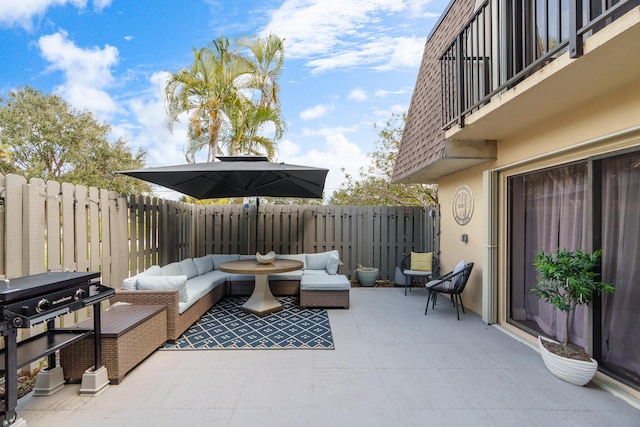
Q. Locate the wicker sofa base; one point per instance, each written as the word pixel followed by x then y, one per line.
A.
pixel 176 323
pixel 129 335
pixel 324 298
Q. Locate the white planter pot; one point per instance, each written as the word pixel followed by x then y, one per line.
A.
pixel 576 372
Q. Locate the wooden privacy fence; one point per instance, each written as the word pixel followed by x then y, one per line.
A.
pixel 51 226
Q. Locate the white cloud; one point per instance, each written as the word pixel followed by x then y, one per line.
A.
pixel 327 131
pixel 381 93
pixel 335 153
pixel 128 38
pixel 87 72
pixel 358 94
pixel 315 112
pixel 21 12
pixel 335 35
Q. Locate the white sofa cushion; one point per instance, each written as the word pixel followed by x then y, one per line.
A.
pixel 204 264
pixel 220 258
pixel 188 268
pixel 172 269
pixel 329 282
pixel 129 284
pixel 290 275
pixel 155 283
pixel 315 272
pixel 296 257
pixel 316 261
pixel 333 262
pixel 199 286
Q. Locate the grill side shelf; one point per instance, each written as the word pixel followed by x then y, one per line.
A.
pixel 35 348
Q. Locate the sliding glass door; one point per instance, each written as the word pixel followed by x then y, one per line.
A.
pixel 585 205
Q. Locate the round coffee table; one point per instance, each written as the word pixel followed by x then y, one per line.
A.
pixel 262 300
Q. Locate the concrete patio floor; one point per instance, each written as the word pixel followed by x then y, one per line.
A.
pixel 392 366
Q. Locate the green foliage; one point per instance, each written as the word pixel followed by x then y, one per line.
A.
pixel 567 279
pixel 373 187
pixel 41 136
pixel 229 96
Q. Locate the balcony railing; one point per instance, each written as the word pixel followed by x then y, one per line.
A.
pixel 506 41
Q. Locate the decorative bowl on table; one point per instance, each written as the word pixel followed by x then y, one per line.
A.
pixel 266 258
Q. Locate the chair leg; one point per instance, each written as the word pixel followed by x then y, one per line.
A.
pixel 457 312
pixel 461 304
pixel 428 299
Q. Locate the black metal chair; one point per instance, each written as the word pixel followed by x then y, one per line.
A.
pixel 452 283
pixel 418 275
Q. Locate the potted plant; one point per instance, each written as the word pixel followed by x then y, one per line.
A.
pixel 567 279
pixel 366 275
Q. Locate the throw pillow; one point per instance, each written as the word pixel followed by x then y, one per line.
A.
pixel 203 264
pixel 188 268
pixel 129 284
pixel 156 283
pixel 333 262
pixel 459 267
pixel 421 261
pixel 316 261
pixel 172 269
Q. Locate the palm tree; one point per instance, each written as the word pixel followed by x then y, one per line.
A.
pixel 215 93
pixel 207 92
pixel 265 67
pixel 244 122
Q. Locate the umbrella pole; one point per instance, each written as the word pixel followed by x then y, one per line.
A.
pixel 257 218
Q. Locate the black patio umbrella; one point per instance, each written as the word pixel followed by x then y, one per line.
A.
pixel 237 176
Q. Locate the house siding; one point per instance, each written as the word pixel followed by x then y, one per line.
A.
pixel 423 138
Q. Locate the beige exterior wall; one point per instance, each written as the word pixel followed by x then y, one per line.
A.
pixel 452 248
pixel 591 130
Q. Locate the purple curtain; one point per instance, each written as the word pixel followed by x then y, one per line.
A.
pixel 620 264
pixel 556 209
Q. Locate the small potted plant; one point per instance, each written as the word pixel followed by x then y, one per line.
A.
pixel 366 275
pixel 567 279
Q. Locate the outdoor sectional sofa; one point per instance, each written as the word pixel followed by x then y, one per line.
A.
pixel 188 288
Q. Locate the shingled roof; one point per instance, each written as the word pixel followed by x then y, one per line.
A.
pixel 423 142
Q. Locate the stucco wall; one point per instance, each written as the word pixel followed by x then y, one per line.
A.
pixel 452 248
pixel 529 150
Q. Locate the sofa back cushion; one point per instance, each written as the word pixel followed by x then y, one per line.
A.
pixel 188 268
pixel 316 261
pixel 220 258
pixel 328 261
pixel 172 269
pixel 296 257
pixel 156 283
pixel 129 284
pixel 204 264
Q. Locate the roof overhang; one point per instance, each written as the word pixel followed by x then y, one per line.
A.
pixel 456 156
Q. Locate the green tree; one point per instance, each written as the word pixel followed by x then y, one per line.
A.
pixel 244 122
pixel 265 67
pixel 216 94
pixel 41 136
pixel 373 187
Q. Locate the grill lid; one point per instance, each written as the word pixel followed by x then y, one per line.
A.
pixel 12 290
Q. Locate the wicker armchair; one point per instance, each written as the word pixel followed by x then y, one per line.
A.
pixel 452 283
pixel 418 275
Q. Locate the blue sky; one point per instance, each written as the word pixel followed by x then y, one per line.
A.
pixel 348 65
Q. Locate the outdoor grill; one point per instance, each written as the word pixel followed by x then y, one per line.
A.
pixel 30 300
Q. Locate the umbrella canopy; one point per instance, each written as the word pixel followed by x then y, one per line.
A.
pixel 237 176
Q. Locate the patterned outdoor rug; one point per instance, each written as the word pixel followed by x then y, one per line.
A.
pixel 227 327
